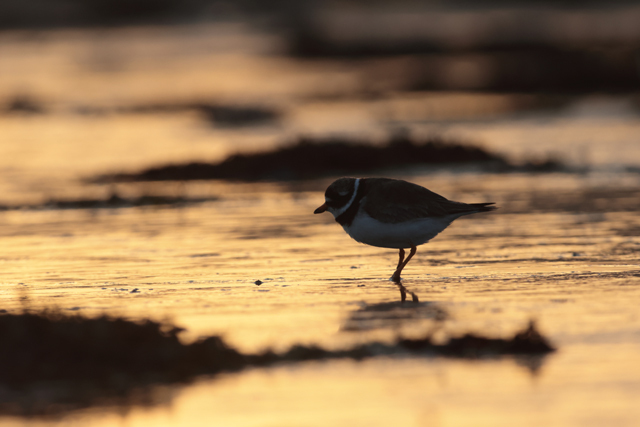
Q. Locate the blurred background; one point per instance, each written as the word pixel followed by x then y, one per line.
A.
pixel 95 87
pixel 162 159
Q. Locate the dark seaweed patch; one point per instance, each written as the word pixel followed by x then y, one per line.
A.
pixel 312 158
pixel 112 202
pixel 217 114
pixel 222 115
pixel 84 362
pixel 23 104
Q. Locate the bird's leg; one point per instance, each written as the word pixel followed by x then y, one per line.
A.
pixel 402 263
pixel 400 259
pixel 396 275
pixel 411 254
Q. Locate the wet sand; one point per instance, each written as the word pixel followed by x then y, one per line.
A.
pixel 575 273
pixel 561 250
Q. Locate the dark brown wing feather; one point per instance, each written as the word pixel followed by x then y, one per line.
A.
pixel 397 201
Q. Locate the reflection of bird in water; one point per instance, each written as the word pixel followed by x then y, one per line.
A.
pixel 391 213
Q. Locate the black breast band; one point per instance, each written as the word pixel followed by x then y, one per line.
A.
pixel 346 218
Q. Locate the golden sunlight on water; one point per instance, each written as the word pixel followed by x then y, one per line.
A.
pixel 561 250
pixel 197 266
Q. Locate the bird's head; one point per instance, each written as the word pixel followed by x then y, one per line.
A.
pixel 339 196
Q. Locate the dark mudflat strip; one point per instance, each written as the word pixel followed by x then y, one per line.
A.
pixel 470 346
pixel 313 158
pixel 537 68
pixel 96 361
pixel 112 202
pixel 218 115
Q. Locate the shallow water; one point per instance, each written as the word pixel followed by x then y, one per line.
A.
pixel 562 250
pixel 577 274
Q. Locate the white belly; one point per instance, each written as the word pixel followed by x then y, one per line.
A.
pixel 365 229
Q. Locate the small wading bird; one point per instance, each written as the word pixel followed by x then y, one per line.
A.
pixel 391 213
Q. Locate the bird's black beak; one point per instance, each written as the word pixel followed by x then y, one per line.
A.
pixel 321 209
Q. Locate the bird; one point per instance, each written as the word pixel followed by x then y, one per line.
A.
pixel 393 213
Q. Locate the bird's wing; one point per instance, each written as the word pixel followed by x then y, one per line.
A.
pixel 397 201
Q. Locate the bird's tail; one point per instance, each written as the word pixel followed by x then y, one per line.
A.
pixel 483 207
